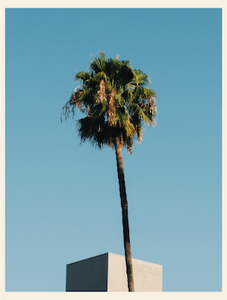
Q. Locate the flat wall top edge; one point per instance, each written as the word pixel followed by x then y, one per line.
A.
pixel 114 254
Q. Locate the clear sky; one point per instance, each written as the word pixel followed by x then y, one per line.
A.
pixel 62 198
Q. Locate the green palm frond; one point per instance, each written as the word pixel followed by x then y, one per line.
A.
pixel 99 76
pixel 122 116
pixel 84 76
pixel 135 109
pixel 99 109
pixel 98 63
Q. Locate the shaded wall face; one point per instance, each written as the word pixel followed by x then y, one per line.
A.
pixel 107 272
pixel 88 275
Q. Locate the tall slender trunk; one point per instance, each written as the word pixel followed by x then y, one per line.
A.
pixel 124 206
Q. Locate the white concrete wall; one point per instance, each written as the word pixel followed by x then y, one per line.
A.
pixel 107 272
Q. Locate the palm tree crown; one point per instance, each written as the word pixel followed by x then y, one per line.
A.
pixel 117 102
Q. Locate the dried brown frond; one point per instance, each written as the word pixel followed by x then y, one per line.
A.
pixel 140 136
pixel 130 150
pixel 111 113
pixel 102 91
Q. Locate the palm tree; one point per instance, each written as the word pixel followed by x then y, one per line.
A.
pixel 117 102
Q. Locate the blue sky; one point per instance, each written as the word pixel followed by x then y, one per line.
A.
pixel 62 198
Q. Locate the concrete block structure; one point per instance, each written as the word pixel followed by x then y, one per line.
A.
pixel 107 273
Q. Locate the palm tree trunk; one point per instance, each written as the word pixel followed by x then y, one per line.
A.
pixel 124 206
